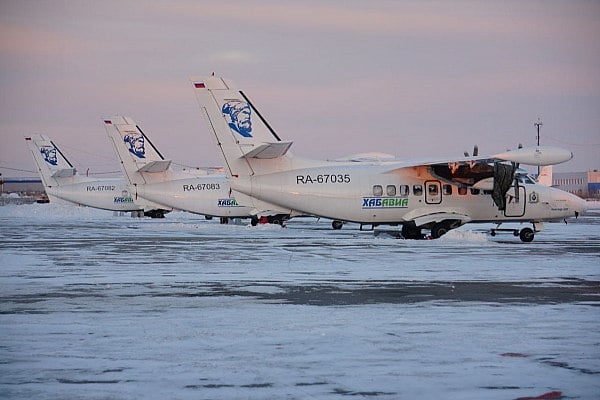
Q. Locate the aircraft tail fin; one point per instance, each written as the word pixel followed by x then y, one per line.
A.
pixel 51 163
pixel 135 151
pixel 240 131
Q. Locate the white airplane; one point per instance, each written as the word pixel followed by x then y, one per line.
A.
pixel 151 177
pixel 437 195
pixel 62 181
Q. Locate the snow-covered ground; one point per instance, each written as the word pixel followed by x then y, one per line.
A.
pixel 98 306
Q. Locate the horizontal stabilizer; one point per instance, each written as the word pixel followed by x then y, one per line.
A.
pixel 64 173
pixel 269 150
pixel 156 166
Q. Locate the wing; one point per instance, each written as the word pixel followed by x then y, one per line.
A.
pixel 540 155
pixel 495 173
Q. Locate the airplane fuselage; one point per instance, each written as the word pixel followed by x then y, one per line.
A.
pixel 107 194
pixel 366 194
pixel 207 195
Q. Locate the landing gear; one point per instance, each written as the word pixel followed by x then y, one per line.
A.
pixel 411 231
pixel 155 213
pixel 224 220
pixel 278 219
pixel 337 224
pixel 439 229
pixel 275 219
pixel 526 235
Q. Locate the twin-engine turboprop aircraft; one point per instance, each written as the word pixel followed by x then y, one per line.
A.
pixel 62 181
pixel 435 195
pixel 152 178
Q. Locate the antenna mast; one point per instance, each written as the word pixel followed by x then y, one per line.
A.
pixel 537 125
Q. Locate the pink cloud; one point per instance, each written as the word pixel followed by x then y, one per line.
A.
pixel 27 41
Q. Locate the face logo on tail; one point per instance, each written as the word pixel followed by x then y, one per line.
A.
pixel 239 116
pixel 49 154
pixel 135 141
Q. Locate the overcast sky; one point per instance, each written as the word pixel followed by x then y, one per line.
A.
pixel 413 79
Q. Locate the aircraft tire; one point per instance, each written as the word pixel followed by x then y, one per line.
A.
pixel 410 231
pixel 208 217
pixel 337 224
pixel 439 230
pixel 254 221
pixel 274 220
pixel 155 213
pixel 526 235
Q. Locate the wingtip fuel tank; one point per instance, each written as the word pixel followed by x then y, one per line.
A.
pixel 541 155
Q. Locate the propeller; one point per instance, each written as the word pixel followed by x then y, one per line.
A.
pixel 475 151
pixel 515 167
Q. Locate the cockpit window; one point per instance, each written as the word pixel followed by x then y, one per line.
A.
pixel 526 179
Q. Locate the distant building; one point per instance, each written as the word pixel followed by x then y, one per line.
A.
pixel 22 186
pixel 582 184
pixel 21 191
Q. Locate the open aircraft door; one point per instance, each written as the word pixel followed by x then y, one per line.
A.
pixel 515 205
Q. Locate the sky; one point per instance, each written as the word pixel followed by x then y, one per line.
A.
pixel 413 79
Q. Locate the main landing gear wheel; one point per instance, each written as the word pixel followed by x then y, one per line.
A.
pixel 526 235
pixel 410 231
pixel 336 224
pixel 155 213
pixel 439 230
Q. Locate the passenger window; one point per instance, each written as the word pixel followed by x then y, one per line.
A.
pixel 447 190
pixel 432 189
pixel 391 190
pixel 462 190
pixel 377 190
pixel 417 190
pixel 403 190
pixel 474 191
pixel 488 191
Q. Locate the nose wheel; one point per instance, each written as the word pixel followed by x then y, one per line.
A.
pixel 526 235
